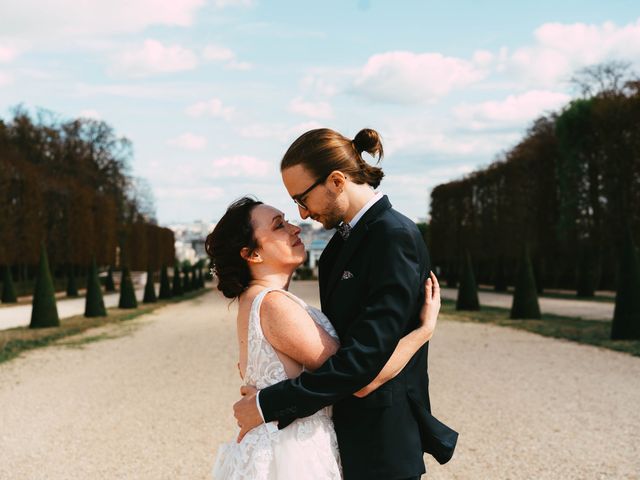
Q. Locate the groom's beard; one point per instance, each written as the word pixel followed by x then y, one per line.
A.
pixel 331 215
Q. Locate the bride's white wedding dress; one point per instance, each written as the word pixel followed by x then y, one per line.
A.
pixel 305 450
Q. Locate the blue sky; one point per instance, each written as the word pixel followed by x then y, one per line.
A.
pixel 212 92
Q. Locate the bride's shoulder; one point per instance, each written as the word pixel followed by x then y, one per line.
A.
pixel 280 301
pixel 280 311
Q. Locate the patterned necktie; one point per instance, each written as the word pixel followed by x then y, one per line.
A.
pixel 344 229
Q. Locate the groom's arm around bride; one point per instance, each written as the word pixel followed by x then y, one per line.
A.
pixel 372 289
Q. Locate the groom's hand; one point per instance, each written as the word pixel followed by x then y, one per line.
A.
pixel 246 411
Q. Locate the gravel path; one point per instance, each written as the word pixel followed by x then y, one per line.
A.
pixel 153 401
pixel 586 309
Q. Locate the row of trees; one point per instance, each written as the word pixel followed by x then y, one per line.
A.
pixel 44 314
pixel 570 190
pixel 67 184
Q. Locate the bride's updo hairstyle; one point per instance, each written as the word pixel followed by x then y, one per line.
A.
pixel 233 232
pixel 322 151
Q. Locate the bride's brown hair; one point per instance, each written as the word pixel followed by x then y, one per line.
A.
pixel 231 234
pixel 323 150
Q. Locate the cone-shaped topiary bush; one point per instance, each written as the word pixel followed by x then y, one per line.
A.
pixel 127 293
pixel 587 275
pixel 468 290
pixel 8 290
pixel 200 278
pixel 165 287
pixel 186 282
pixel 149 289
pixel 626 315
pixel 44 312
pixel 500 277
pixel 452 275
pixel 525 297
pixel 94 303
pixel 195 285
pixel 72 287
pixel 109 285
pixel 177 281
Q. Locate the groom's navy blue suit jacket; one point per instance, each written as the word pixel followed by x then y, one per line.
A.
pixel 372 290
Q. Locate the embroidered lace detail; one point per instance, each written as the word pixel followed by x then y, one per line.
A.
pixel 305 450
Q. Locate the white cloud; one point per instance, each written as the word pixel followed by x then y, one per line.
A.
pixel 319 84
pixel 188 141
pixel 217 53
pixel 153 58
pixel 407 77
pixel 241 66
pixel 560 49
pixel 277 131
pixel 513 111
pixel 40 22
pixel 146 90
pixel 239 165
pixel 183 193
pixel 7 54
pixel 422 140
pixel 212 108
pixel 93 114
pixel 233 3
pixel 5 79
pixel 311 109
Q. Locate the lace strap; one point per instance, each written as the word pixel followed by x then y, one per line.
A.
pixel 254 318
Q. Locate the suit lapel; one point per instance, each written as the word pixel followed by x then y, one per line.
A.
pixel 351 245
pixel 325 262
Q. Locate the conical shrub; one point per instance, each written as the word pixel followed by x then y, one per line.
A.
pixel 468 290
pixel 149 289
pixel 94 303
pixel 194 279
pixel 165 287
pixel 72 287
pixel 200 278
pixel 109 284
pixel 44 312
pixel 186 282
pixel 177 281
pixel 452 275
pixel 127 293
pixel 626 315
pixel 587 278
pixel 8 290
pixel 525 297
pixel 500 277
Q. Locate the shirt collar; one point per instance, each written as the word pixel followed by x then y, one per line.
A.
pixel 364 209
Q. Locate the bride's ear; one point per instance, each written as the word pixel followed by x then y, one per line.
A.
pixel 250 256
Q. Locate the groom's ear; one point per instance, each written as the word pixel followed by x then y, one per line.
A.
pixel 250 256
pixel 336 181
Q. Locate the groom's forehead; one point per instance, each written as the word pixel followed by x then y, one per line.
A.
pixel 296 177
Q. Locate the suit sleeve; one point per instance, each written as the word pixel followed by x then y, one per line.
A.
pixel 393 291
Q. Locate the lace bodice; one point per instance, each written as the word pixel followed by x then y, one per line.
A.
pixel 264 368
pixel 305 450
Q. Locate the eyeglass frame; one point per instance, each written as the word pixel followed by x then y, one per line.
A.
pixel 298 199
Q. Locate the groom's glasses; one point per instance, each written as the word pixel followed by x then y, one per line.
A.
pixel 299 198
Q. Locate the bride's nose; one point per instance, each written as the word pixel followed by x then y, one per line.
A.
pixel 294 229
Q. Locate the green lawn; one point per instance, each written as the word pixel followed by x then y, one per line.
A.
pixel 573 329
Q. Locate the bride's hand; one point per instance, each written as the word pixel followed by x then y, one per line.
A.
pixel 431 306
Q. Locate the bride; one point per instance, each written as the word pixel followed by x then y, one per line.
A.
pixel 255 251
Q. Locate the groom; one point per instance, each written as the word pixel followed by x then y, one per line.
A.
pixel 372 276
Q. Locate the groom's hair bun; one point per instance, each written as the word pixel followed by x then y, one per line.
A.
pixel 321 151
pixel 231 234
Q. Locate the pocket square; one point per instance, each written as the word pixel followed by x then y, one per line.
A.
pixel 346 275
